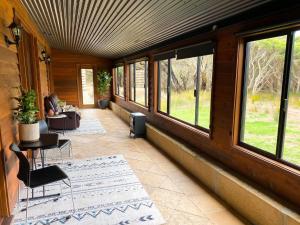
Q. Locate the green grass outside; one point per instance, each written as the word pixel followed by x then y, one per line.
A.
pixel 261 125
pixel 261 120
pixel 183 107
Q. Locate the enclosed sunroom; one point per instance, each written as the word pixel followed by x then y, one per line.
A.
pixel 150 112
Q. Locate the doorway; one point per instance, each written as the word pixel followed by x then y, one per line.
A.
pixel 87 86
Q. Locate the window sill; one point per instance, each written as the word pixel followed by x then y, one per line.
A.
pixel 118 96
pixel 138 105
pixel 186 126
pixel 259 157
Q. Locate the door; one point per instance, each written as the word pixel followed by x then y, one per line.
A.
pixel 87 87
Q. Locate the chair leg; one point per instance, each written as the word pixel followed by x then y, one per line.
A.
pixel 72 195
pixel 27 201
pixel 61 156
pixel 34 161
pixel 19 190
pixel 45 155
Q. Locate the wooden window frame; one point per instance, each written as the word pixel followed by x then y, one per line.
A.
pixel 243 39
pixel 146 83
pixel 203 130
pixel 116 85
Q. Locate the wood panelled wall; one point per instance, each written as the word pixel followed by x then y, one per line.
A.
pixel 65 72
pixel 44 79
pixel 9 79
pixel 270 175
pixel 13 73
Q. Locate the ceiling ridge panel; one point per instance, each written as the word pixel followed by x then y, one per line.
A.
pixel 161 24
pixel 96 7
pixel 108 22
pixel 178 30
pixel 102 20
pixel 38 14
pixel 62 21
pixel 141 21
pixel 82 18
pixel 82 37
pixel 117 28
pixel 176 27
pixel 128 20
pixel 56 23
pixel 97 26
pixel 159 28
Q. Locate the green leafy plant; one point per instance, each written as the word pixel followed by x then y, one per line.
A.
pixel 61 103
pixel 27 110
pixel 103 81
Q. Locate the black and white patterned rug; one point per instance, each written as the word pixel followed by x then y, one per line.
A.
pixel 106 191
pixel 87 126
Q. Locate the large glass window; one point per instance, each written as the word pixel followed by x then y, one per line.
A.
pixel 139 82
pixel 205 64
pixel 291 151
pixel 119 81
pixel 264 62
pixel 163 85
pixel 184 87
pixel 183 76
pixel 271 96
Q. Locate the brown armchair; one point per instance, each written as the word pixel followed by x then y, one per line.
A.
pixel 71 122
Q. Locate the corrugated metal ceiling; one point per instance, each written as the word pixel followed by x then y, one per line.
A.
pixel 114 28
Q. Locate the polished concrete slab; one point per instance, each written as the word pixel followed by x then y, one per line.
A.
pixel 180 198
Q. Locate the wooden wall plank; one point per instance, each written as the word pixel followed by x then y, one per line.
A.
pixel 8 56
pixel 8 159
pixel 8 68
pixel 9 80
pixel 28 23
pixel 64 73
pixel 3 188
pixel 44 72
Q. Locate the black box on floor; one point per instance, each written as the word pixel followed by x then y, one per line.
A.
pixel 137 124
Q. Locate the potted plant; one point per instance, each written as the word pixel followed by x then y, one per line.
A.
pixel 103 84
pixel 27 116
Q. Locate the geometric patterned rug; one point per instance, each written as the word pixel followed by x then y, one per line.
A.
pixel 87 126
pixel 106 192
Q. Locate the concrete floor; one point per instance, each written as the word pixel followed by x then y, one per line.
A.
pixel 179 197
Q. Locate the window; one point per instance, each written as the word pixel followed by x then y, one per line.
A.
pixel 139 82
pixel 163 72
pixel 183 77
pixel 184 84
pixel 271 97
pixel 119 81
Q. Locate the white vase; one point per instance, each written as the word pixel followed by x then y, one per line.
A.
pixel 29 132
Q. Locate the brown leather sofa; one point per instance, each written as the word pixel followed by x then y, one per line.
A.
pixel 71 122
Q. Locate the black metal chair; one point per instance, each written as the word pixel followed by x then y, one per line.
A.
pixel 39 177
pixel 62 143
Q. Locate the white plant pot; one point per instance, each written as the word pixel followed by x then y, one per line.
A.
pixel 29 132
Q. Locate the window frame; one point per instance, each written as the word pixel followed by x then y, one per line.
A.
pixel 146 82
pixel 167 114
pixel 116 83
pixel 284 98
